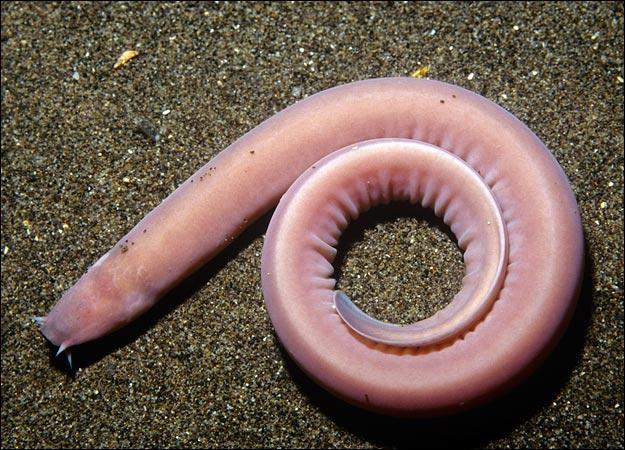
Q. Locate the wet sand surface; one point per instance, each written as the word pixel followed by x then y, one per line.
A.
pixel 80 166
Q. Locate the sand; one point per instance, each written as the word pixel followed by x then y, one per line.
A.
pixel 205 369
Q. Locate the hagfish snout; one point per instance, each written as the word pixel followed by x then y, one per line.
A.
pixel 96 305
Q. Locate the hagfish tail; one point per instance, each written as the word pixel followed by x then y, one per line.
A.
pixel 325 160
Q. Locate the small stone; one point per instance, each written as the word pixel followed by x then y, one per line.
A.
pixel 421 72
pixel 124 58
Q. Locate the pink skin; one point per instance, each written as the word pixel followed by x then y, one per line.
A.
pixel 520 229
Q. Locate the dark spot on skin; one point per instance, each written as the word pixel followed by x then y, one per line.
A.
pixel 145 229
pixel 442 101
pixel 132 243
pixel 124 248
pixel 252 152
pixel 126 240
pixel 453 95
pixel 314 167
pixel 191 181
pixel 367 398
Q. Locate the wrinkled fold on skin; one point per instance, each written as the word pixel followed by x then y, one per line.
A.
pixel 482 358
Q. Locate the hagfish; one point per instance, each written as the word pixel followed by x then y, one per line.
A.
pixel 325 160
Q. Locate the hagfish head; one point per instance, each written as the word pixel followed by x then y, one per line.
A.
pixel 96 305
